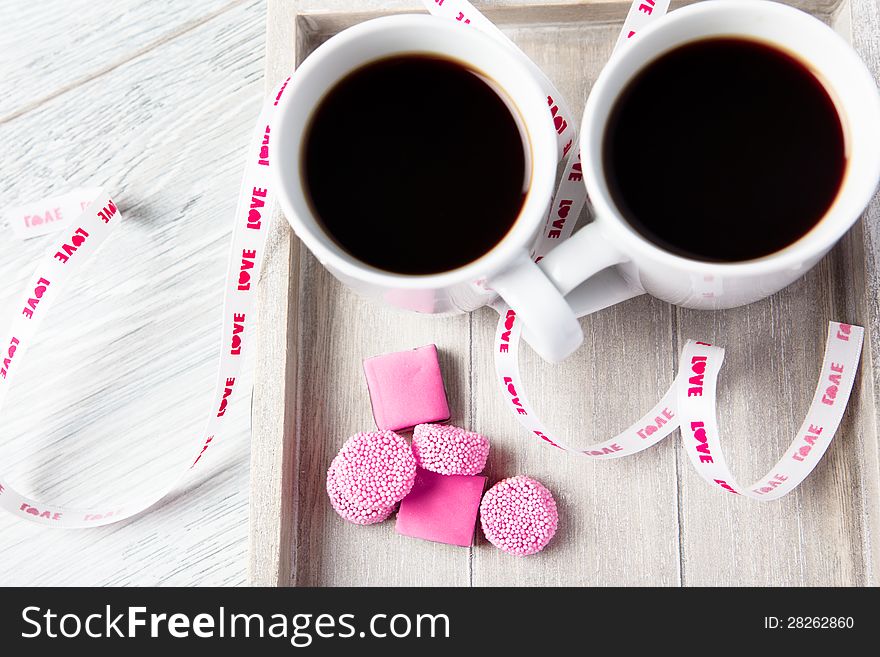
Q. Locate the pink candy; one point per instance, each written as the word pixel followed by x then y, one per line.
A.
pixel 449 450
pixel 370 475
pixel 441 508
pixel 348 510
pixel 406 388
pixel 519 516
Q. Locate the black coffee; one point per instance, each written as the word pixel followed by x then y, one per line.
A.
pixel 415 165
pixel 724 150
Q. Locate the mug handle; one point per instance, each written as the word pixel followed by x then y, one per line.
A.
pixel 575 279
pixel 580 257
pixel 606 288
pixel 554 331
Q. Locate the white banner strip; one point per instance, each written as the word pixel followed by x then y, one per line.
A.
pixel 641 13
pixel 696 394
pixel 78 243
pixel 691 403
pixel 80 238
pixel 48 215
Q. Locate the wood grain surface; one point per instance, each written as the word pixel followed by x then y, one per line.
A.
pixel 157 101
pixel 644 520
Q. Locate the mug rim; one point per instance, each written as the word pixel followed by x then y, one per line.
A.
pixel 856 187
pixel 526 99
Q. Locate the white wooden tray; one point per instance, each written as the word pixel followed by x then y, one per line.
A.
pixel 646 520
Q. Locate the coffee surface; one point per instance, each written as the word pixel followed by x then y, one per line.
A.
pixel 415 165
pixel 724 150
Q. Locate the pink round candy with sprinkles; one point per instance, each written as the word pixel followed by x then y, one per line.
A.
pixel 371 473
pixel 449 450
pixel 519 516
pixel 349 511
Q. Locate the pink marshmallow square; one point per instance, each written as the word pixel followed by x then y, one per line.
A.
pixel 406 389
pixel 442 508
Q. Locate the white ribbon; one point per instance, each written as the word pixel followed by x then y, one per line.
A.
pixel 78 242
pixel 81 236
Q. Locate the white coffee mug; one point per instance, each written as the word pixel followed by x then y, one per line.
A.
pixel 506 268
pixel 637 265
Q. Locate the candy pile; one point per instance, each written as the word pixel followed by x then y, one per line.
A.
pixel 436 482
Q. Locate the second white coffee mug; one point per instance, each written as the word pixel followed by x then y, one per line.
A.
pixel 636 264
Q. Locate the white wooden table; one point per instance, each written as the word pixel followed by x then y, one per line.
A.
pixel 157 99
